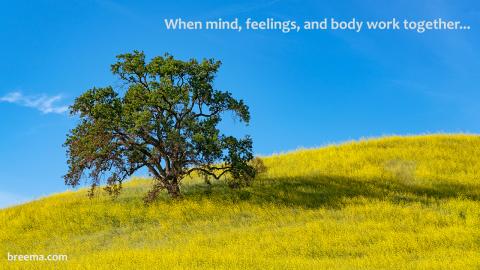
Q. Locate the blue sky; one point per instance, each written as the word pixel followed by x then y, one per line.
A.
pixel 304 89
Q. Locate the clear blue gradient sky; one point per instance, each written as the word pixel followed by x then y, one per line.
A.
pixel 304 89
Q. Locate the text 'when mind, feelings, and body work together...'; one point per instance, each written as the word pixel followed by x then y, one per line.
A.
pixel 324 24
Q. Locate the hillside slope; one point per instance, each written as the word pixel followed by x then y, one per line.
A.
pixel 389 203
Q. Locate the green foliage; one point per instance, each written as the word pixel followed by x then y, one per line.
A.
pixel 167 121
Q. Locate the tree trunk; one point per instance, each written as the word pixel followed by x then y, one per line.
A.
pixel 173 189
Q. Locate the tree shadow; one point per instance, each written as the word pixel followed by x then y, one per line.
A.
pixel 331 191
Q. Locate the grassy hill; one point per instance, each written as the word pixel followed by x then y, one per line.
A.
pixel 389 203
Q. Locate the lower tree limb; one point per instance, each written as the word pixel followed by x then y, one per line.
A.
pixel 153 193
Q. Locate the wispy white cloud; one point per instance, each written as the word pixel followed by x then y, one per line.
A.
pixel 44 103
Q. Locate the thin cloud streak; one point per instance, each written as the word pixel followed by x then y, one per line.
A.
pixel 43 103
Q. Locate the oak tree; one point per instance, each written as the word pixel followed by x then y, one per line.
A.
pixel 165 118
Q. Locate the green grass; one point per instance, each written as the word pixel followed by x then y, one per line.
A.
pixel 389 203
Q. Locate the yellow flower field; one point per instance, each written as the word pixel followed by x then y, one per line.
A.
pixel 388 203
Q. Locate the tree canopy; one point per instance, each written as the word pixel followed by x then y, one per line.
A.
pixel 165 119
